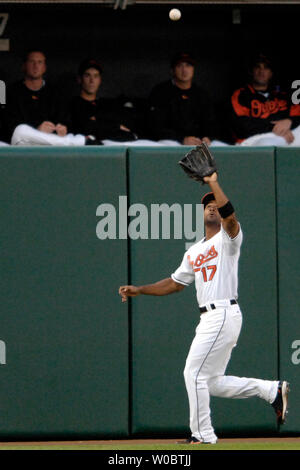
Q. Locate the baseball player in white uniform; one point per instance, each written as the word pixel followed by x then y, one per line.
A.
pixel 212 263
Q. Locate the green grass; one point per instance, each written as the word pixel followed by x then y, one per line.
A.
pixel 167 447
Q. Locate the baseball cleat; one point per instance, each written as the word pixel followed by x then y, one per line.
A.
pixel 193 440
pixel 281 401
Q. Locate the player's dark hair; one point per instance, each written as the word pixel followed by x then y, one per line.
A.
pixel 33 49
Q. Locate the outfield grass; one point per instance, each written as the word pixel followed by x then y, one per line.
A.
pixel 167 447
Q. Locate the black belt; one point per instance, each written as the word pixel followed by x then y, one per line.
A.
pixel 213 307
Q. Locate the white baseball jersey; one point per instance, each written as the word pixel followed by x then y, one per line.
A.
pixel 213 265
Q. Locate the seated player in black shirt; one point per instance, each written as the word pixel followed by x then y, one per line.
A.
pixel 34 115
pixel 179 109
pixel 104 118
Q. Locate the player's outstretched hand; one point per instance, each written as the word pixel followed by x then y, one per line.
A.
pixel 211 179
pixel 128 291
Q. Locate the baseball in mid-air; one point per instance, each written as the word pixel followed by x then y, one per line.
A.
pixel 174 14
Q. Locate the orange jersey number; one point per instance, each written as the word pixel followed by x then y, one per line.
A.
pixel 212 268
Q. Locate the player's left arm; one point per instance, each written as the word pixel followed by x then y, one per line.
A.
pixel 229 222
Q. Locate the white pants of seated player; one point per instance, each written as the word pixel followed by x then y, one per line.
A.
pixel 27 135
pixel 137 143
pixel 270 138
pixel 216 335
pixel 159 143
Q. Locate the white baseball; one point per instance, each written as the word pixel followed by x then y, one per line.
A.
pixel 174 14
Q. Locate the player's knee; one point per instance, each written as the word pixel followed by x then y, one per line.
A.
pixel 270 141
pixel 19 134
pixel 192 374
pixel 188 373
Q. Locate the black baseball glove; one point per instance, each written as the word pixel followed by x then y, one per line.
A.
pixel 198 163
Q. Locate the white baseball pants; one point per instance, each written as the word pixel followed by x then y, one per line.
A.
pixel 152 143
pixel 269 138
pixel 27 135
pixel 210 351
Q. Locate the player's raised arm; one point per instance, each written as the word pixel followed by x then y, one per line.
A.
pixel 199 164
pixel 164 287
pixel 225 208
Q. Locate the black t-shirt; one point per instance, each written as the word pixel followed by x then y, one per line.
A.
pixel 25 106
pixel 175 113
pixel 101 118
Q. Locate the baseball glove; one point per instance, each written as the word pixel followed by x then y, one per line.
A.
pixel 198 163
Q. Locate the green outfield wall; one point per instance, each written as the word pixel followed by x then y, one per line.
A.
pixel 288 210
pixel 77 362
pixel 65 331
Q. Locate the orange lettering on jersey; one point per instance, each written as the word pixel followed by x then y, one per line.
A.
pixel 282 105
pixel 256 108
pixel 213 269
pixel 203 270
pixel 201 259
pixel 264 110
pixel 190 261
pixel 213 272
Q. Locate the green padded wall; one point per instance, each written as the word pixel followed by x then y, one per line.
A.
pixel 63 332
pixel 163 327
pixel 288 209
pixel 65 335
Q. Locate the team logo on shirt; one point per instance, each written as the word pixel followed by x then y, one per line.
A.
pixel 264 110
pixel 202 259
